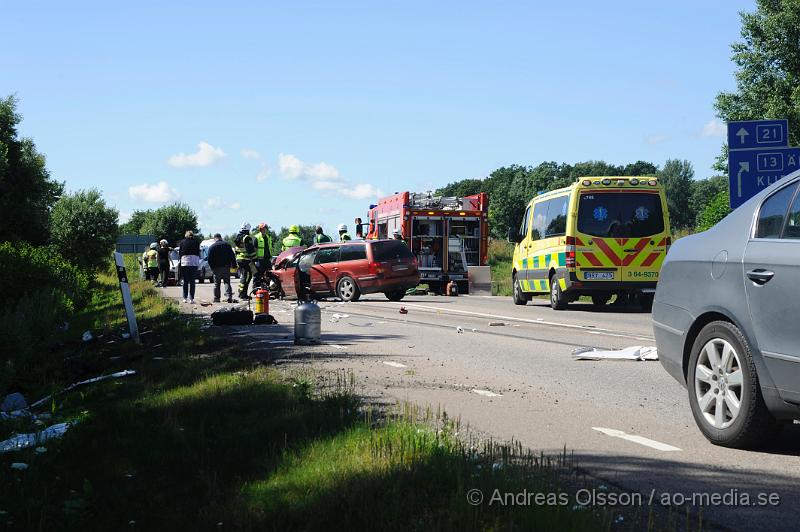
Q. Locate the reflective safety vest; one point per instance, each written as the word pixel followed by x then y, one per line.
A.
pixel 263 245
pixel 291 241
pixel 241 251
pixel 152 259
pixel 322 239
pixel 344 237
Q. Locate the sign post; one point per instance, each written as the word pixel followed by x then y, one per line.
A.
pixel 126 296
pixel 758 155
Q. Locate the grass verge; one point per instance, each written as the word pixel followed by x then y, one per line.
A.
pixel 202 438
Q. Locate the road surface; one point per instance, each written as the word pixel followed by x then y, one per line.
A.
pixel 627 422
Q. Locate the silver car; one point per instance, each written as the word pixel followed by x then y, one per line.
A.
pixel 725 323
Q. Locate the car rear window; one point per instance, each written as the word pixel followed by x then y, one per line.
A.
pixel 620 215
pixel 390 250
pixel 353 252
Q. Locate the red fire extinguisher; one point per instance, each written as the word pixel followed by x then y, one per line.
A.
pixel 262 301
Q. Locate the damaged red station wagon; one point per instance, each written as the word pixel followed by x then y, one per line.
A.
pixel 348 270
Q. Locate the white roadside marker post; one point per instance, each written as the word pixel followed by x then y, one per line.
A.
pixel 126 297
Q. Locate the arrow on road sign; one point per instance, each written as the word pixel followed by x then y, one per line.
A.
pixel 742 133
pixel 743 167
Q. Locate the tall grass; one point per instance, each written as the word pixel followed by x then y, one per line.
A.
pixel 500 256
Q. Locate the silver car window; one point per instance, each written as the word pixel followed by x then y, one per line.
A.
pixel 773 212
pixel 792 229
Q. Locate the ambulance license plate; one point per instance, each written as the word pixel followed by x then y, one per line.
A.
pixel 605 276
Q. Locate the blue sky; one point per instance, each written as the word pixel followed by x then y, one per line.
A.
pixel 302 112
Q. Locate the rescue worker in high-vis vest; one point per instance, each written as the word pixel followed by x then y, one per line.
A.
pixel 246 256
pixel 292 239
pixel 343 234
pixel 263 247
pixel 320 237
pixel 152 262
pixel 143 262
pixel 397 235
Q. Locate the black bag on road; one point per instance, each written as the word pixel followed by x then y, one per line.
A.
pixel 233 316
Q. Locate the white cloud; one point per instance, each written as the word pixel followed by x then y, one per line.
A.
pixel 206 155
pixel 216 202
pixel 250 154
pixel 323 176
pixel 658 138
pixel 714 128
pixel 124 216
pixel 264 173
pixel 361 191
pixel 161 192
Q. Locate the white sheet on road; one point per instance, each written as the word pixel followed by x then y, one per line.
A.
pixel 636 352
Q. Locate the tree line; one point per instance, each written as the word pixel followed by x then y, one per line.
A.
pixel 510 188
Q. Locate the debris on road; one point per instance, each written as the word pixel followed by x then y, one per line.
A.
pixel 636 352
pixel 486 393
pixel 403 310
pixel 336 317
pixel 337 346
pixel 497 324
pixel 459 330
pixel 87 336
pixel 395 364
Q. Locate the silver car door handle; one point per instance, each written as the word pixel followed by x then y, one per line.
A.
pixel 760 276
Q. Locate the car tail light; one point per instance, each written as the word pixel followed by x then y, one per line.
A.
pixel 375 268
pixel 570 255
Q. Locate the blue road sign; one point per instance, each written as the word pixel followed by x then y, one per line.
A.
pixel 750 171
pixel 758 134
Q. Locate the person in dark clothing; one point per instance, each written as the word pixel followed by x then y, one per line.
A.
pixel 221 259
pixel 189 252
pixel 163 262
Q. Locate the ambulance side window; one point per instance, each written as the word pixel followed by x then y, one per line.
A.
pixel 557 217
pixel 539 220
pixel 523 229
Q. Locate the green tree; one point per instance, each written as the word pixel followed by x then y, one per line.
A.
pixel 170 222
pixel 465 187
pixel 716 210
pixel 767 69
pixel 135 223
pixel 84 229
pixel 677 177
pixel 27 192
pixel 705 190
pixel 640 168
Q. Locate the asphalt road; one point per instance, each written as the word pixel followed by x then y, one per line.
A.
pixel 519 380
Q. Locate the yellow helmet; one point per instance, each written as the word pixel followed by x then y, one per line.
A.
pixel 294 229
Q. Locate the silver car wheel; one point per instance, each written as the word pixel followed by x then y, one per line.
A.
pixel 346 289
pixel 718 383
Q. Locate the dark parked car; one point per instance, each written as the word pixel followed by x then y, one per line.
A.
pixel 725 322
pixel 348 270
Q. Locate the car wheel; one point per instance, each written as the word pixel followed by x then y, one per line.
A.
pixel 557 299
pixel 646 302
pixel 600 300
pixel 724 391
pixel 517 295
pixel 395 295
pixel 347 289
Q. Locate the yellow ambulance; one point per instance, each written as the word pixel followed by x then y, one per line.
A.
pixel 599 237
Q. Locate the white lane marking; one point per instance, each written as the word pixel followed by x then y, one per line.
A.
pixel 486 393
pixel 281 342
pixel 641 440
pixel 537 321
pixel 337 346
pixel 395 364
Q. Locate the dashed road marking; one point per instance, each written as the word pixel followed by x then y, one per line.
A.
pixel 641 440
pixel 395 364
pixel 337 346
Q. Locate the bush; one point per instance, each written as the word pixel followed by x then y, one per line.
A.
pixel 28 269
pixel 718 209
pixel 84 229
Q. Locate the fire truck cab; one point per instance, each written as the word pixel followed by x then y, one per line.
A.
pixel 445 234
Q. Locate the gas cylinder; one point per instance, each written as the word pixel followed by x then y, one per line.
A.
pixel 307 323
pixel 452 288
pixel 262 301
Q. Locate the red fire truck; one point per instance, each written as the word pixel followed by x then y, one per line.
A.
pixel 445 234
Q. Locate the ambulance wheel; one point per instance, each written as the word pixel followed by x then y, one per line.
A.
pixel 517 295
pixel 646 302
pixel 347 289
pixel 557 299
pixel 600 300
